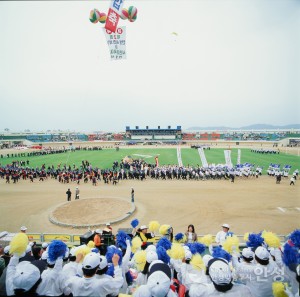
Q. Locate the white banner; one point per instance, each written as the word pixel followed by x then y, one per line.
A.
pixel 179 157
pixel 113 15
pixel 239 157
pixel 202 157
pixel 227 154
pixel 116 43
pixel 117 6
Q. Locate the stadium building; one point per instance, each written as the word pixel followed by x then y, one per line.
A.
pixel 154 133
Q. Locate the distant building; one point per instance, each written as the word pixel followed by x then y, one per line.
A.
pixel 154 133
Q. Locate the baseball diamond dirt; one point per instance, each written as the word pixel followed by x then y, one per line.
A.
pixel 248 205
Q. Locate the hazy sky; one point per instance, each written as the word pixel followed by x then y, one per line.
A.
pixel 232 63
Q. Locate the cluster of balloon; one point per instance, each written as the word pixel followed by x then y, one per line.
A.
pixel 97 16
pixel 129 13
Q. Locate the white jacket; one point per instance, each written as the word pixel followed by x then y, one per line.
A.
pixel 94 286
pixel 291 278
pixel 70 269
pixel 125 267
pixel 53 281
pixel 261 278
pixel 242 269
pixel 221 237
pixel 10 272
pixel 188 275
pixel 208 290
pixel 142 291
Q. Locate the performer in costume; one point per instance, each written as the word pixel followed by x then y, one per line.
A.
pixel 144 235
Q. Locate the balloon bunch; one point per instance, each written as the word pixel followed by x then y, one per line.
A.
pixel 129 13
pixel 97 16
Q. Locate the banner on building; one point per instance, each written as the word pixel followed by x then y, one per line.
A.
pixel 202 157
pixel 116 43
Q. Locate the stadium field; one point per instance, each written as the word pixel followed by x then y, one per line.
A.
pixel 248 205
pixel 104 158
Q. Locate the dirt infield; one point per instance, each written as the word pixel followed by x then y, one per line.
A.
pixel 82 212
pixel 248 205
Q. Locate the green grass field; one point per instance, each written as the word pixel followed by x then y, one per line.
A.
pixel 105 158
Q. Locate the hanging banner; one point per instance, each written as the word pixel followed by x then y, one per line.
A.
pixel 179 157
pixel 117 6
pixel 116 43
pixel 227 154
pixel 112 20
pixel 239 157
pixel 202 157
pixel 113 15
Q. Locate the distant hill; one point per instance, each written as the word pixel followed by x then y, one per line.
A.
pixel 250 127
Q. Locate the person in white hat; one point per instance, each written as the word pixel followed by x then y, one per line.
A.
pixel 142 275
pixel 242 264
pixel 53 280
pixel 142 232
pixel 98 239
pixel 187 274
pixel 108 229
pixel 28 254
pixel 23 229
pixel 89 284
pixel 289 291
pixel 103 267
pixel 77 192
pixel 6 255
pixel 158 283
pixel 108 226
pixel 221 282
pixel 72 267
pixel 45 245
pixel 262 274
pixel 21 278
pixel 221 235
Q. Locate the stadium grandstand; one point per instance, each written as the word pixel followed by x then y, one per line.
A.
pixel 154 133
pixel 137 134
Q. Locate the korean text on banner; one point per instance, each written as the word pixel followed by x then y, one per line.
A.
pixel 116 43
pixel 112 20
pixel 117 6
pixel 202 157
pixel 113 15
pixel 227 154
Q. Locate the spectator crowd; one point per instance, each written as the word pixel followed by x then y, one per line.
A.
pixel 138 264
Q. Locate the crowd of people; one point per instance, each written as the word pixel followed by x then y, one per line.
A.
pixel 50 151
pixel 265 151
pixel 136 169
pixel 136 264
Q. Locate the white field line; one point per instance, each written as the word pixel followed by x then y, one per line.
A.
pixel 298 208
pixel 281 209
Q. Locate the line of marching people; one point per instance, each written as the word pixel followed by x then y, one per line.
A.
pixel 185 265
pixel 68 174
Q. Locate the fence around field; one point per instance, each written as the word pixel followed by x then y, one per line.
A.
pixel 74 239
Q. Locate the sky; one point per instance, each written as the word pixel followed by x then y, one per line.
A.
pixel 231 63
